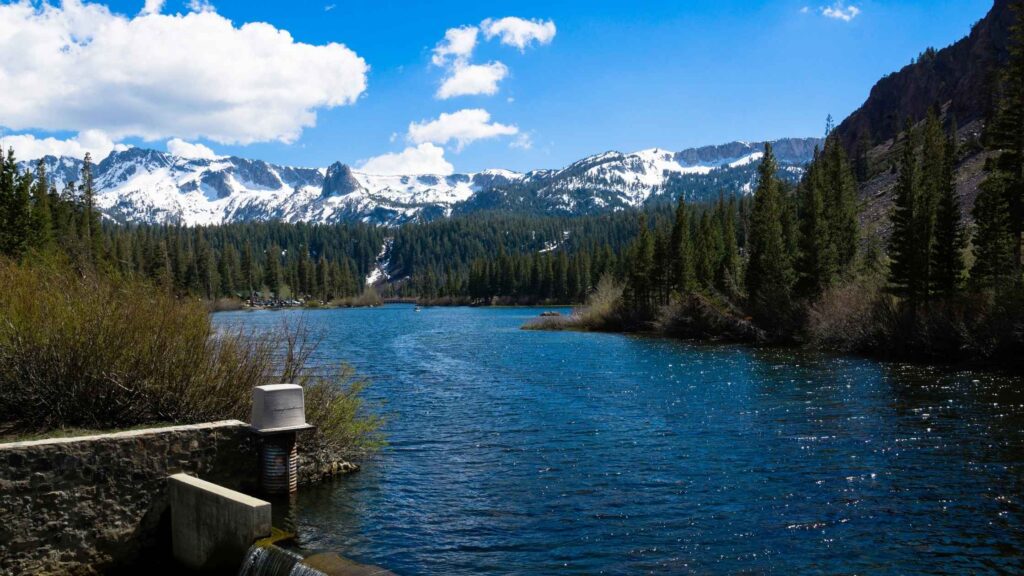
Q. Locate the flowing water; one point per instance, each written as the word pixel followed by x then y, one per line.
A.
pixel 516 452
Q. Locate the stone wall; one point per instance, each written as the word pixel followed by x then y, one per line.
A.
pixel 88 505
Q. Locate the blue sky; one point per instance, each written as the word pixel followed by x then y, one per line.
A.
pixel 616 75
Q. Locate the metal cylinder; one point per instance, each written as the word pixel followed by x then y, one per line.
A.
pixel 279 468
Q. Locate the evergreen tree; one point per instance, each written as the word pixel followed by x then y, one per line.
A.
pixel 862 161
pixel 707 253
pixel 641 267
pixel 88 225
pixel 769 276
pixel 250 271
pixel 815 259
pixel 907 269
pixel 19 216
pixel 947 255
pixel 681 250
pixel 729 268
pixel 840 208
pixel 42 221
pixel 272 271
pixel 993 237
pixel 1005 136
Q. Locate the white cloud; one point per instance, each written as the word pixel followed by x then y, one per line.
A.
pixel 179 147
pixel 840 11
pixel 519 32
pixel 78 66
pixel 463 127
pixel 201 6
pixel 457 46
pixel 456 49
pixel 472 79
pixel 152 7
pixel 30 147
pixel 330 7
pixel 423 159
pixel 522 142
pixel 805 10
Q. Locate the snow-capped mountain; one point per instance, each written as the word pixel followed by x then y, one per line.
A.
pixel 140 185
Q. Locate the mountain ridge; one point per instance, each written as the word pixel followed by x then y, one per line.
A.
pixel 140 185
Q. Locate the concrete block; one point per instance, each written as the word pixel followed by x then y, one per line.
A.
pixel 278 407
pixel 212 527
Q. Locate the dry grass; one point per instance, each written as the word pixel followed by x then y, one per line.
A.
pixel 602 312
pixel 367 299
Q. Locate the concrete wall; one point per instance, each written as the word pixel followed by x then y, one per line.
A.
pixel 85 505
pixel 213 527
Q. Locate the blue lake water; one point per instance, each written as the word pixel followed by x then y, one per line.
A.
pixel 518 452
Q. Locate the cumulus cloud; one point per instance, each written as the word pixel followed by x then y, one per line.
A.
pixel 472 79
pixel 457 46
pixel 840 11
pixel 455 51
pixel 463 127
pixel 179 147
pixel 426 158
pixel 519 32
pixel 153 6
pixel 79 66
pixel 30 147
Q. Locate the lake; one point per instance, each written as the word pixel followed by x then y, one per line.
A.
pixel 519 452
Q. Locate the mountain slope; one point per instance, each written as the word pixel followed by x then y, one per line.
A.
pixel 960 81
pixel 140 185
pixel 958 77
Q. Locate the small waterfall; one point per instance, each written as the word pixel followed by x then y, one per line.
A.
pixel 270 560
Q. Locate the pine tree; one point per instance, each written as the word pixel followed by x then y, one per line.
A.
pixel 42 220
pixel 681 250
pixel 769 276
pixel 250 271
pixel 932 184
pixel 729 268
pixel 840 208
pixel 993 237
pixel 815 260
pixel 862 161
pixel 661 271
pixel 708 252
pixel 88 230
pixel 1005 135
pixel 19 216
pixel 641 266
pixel 906 269
pixel 159 268
pixel 947 255
pixel 272 271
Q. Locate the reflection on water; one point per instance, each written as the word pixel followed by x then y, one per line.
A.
pixel 533 452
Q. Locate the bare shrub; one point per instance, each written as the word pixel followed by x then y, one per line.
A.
pixel 87 351
pixel 848 317
pixel 699 316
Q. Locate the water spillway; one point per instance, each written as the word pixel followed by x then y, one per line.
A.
pixel 270 560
